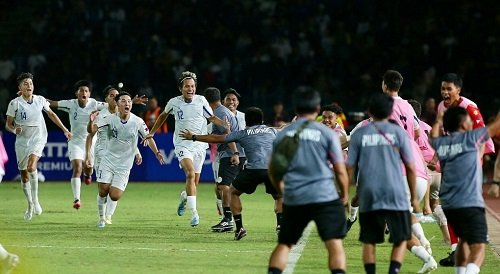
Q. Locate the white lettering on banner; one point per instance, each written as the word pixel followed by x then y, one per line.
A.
pixel 55 166
pixel 53 149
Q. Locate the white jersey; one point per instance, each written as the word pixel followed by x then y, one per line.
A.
pixel 102 134
pixel 29 116
pixel 122 143
pixel 191 116
pixel 240 117
pixel 79 117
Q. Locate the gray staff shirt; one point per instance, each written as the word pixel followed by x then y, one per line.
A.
pixel 309 178
pixel 377 155
pixel 461 184
pixel 257 142
pixel 225 114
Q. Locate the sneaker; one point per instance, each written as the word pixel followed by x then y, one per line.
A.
pixel 87 179
pixel 278 228
pixel 195 220
pixel 181 208
pixel 29 213
pixel 76 204
pixel 429 266
pixel 240 234
pixel 38 209
pixel 108 220
pixel 350 223
pixel 448 261
pixel 223 226
pixel 9 263
pixel 101 223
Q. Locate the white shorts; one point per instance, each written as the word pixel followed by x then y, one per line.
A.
pixel 76 151
pixel 117 178
pixel 23 154
pixel 421 187
pixel 197 157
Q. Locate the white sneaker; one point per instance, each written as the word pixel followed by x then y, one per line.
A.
pixel 9 263
pixel 429 266
pixel 101 223
pixel 181 208
pixel 29 213
pixel 108 220
pixel 195 220
pixel 38 209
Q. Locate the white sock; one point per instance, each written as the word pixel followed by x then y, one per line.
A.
pixel 219 206
pixel 472 268
pixel 110 207
pixel 34 185
pixel 27 191
pixel 419 232
pixel 101 205
pixel 3 253
pixel 460 270
pixel 421 253
pixel 453 247
pixel 191 203
pixel 354 212
pixel 76 184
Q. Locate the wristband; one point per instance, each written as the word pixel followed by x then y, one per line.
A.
pixel 236 153
pixel 193 137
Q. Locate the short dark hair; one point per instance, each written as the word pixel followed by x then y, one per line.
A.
pixel 453 118
pixel 254 116
pixel 107 89
pixel 83 83
pixel 231 91
pixel 416 106
pixel 335 108
pixel 186 75
pixel 393 79
pixel 452 78
pixel 306 100
pixel 380 105
pixel 212 94
pixel 22 76
pixel 123 93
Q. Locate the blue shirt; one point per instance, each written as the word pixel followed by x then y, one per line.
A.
pixel 462 175
pixel 309 178
pixel 376 150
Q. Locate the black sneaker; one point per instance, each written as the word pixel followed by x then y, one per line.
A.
pixel 223 226
pixel 448 261
pixel 278 228
pixel 349 224
pixel 240 234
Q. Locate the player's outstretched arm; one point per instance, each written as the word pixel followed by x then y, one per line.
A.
pixel 161 119
pixel 217 121
pixel 58 122
pixel 140 100
pixel 88 148
pixel 53 104
pixel 152 145
pixel 211 138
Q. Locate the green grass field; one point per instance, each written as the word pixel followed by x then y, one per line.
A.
pixel 148 237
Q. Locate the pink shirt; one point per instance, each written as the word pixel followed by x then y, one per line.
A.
pixel 3 154
pixel 420 165
pixel 423 141
pixel 476 117
pixel 404 114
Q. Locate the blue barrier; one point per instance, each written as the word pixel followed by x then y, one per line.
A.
pixel 56 166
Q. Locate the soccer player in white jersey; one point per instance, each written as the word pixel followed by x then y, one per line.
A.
pixel 101 144
pixel 190 111
pixel 114 169
pixel 79 110
pixel 25 119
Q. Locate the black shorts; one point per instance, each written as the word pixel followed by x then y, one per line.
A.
pixel 329 218
pixel 469 224
pixel 228 171
pixel 248 180
pixel 372 226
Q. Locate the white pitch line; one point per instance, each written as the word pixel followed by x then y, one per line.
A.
pixel 135 248
pixel 297 250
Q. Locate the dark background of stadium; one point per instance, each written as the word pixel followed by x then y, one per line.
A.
pixel 263 49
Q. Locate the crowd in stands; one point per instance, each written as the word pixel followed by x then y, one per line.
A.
pixel 263 48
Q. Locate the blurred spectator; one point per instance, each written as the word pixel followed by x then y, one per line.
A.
pixel 152 113
pixel 429 112
pixel 278 116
